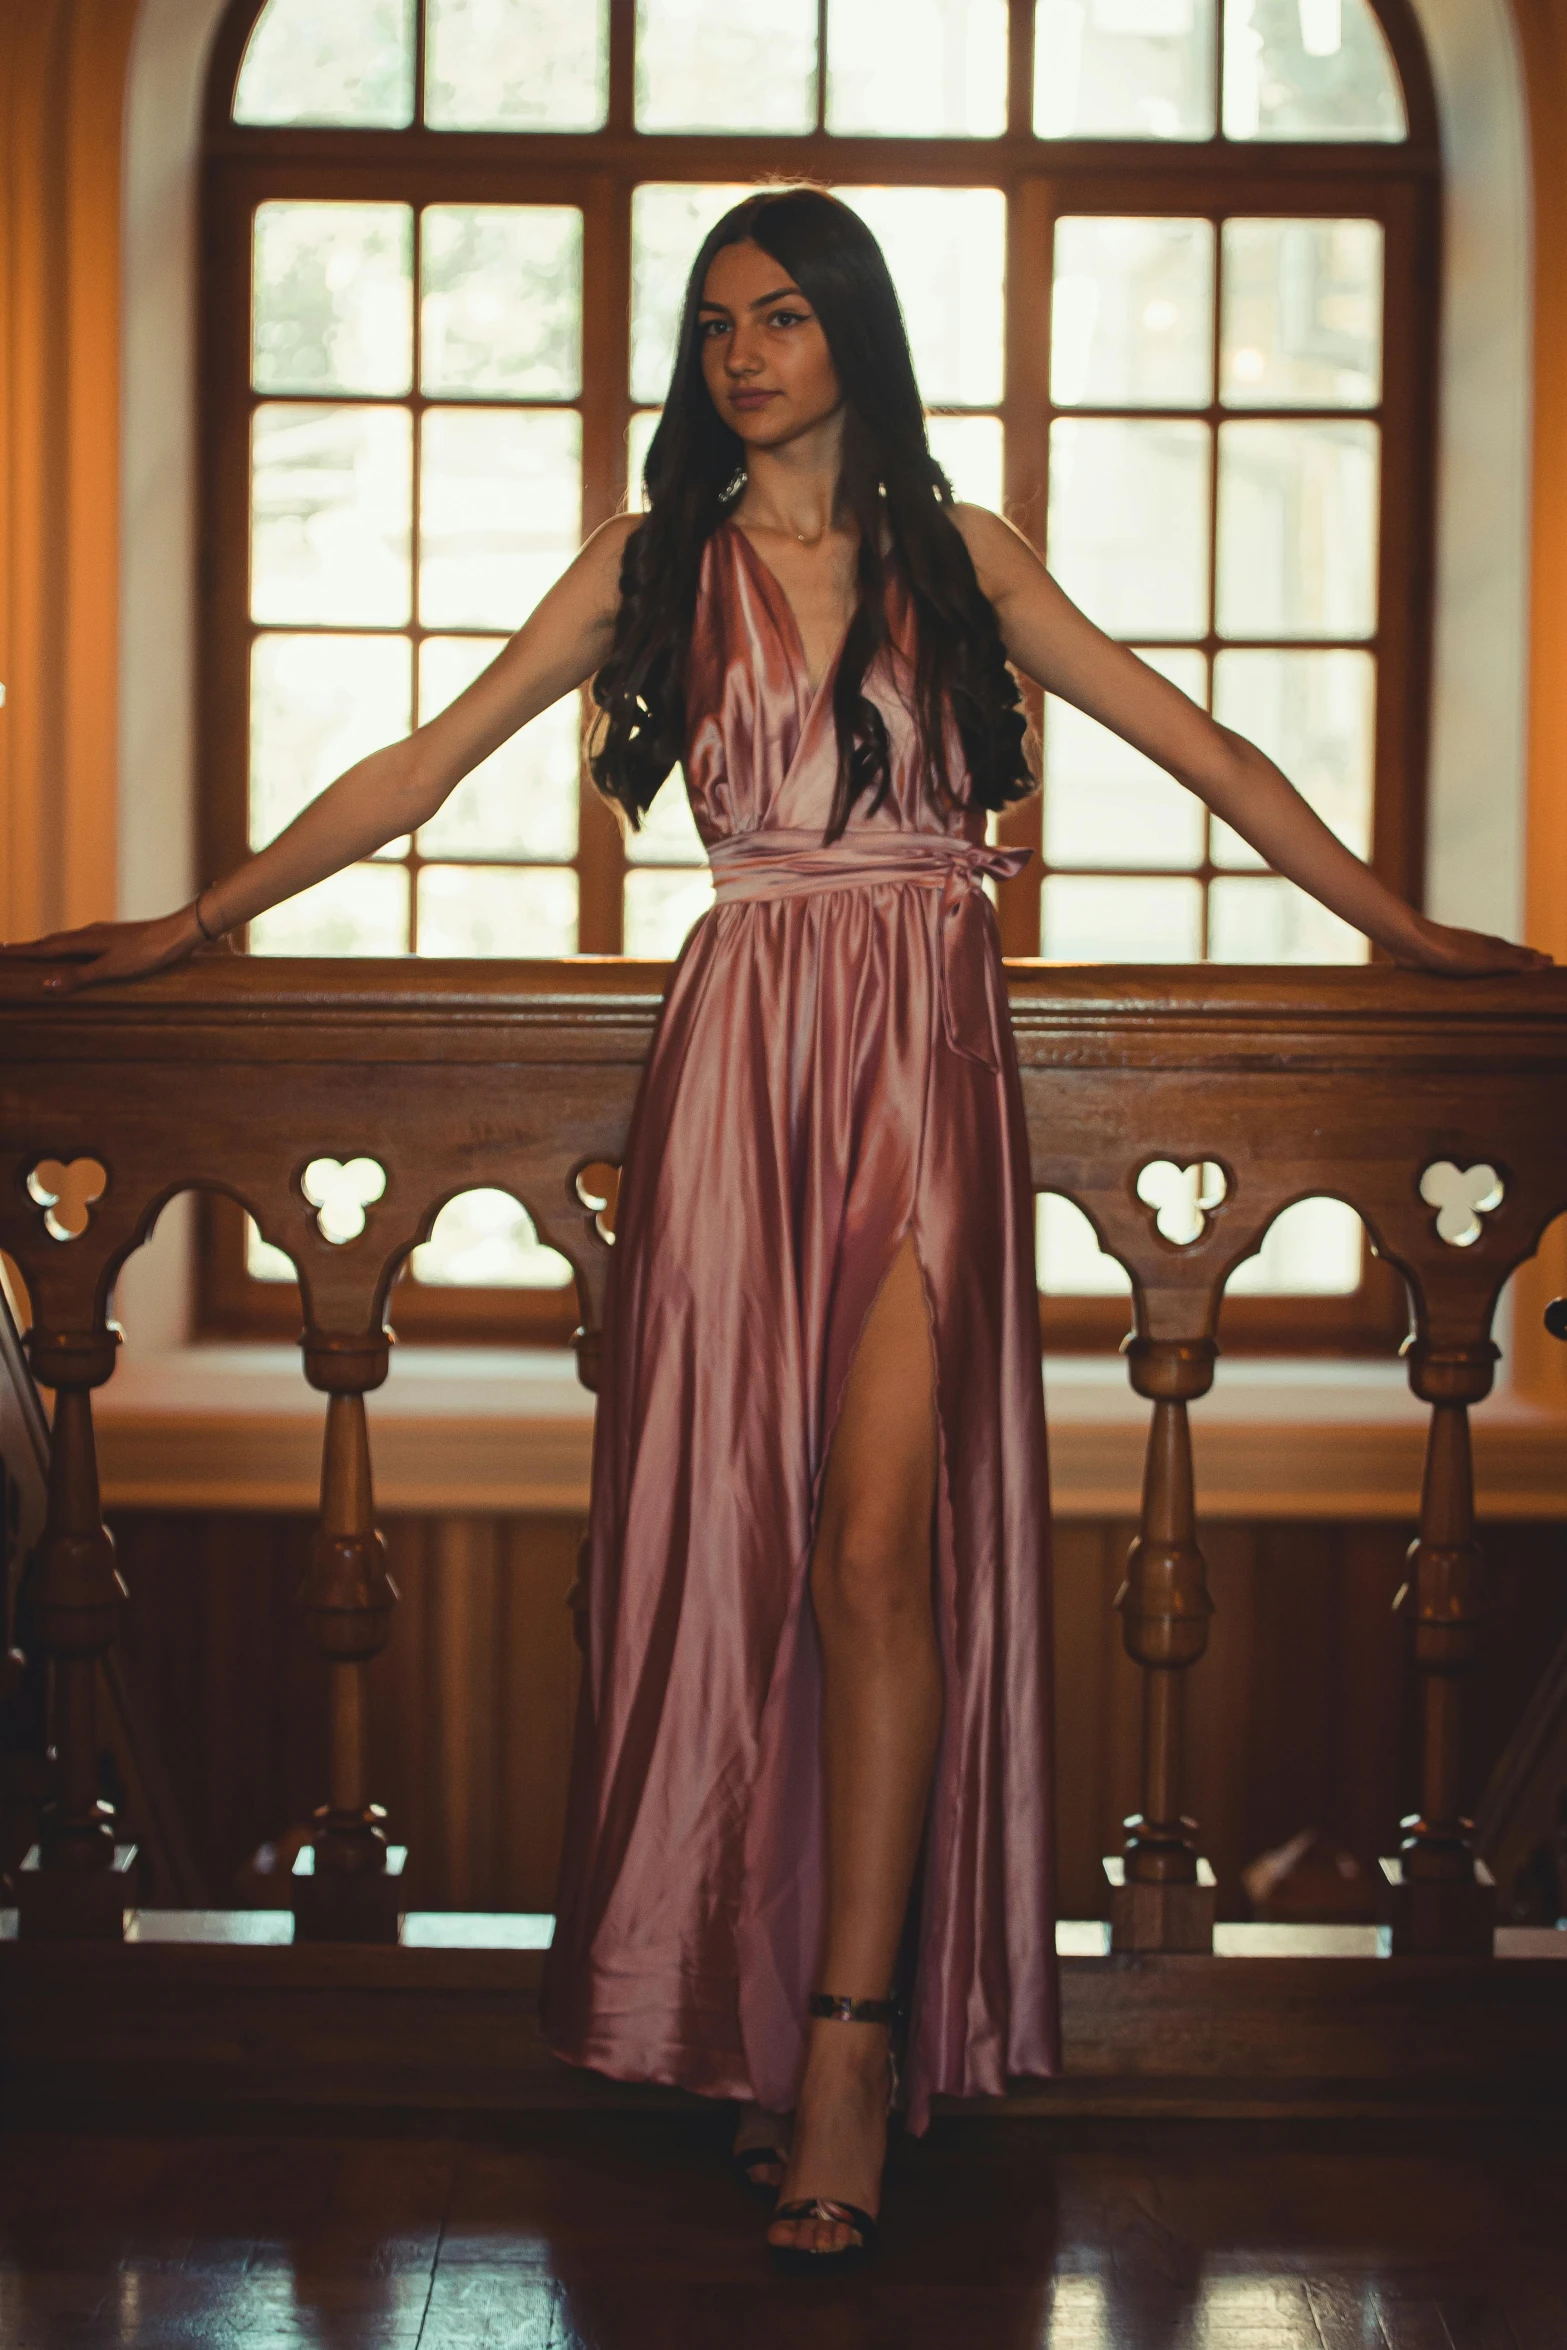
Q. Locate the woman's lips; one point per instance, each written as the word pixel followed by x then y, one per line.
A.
pixel 751 399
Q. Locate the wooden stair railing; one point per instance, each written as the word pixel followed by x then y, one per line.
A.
pixel 24 1495
pixel 166 1858
pixel 1435 1109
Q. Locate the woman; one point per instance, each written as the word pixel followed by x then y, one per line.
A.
pixel 814 1725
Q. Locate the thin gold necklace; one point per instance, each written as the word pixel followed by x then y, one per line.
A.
pixel 799 536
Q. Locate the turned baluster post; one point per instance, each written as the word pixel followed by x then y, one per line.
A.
pixel 77 1881
pixel 1437 1899
pixel 346 1882
pixel 1161 1894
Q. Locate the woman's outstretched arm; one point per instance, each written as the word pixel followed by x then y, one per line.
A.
pixel 391 792
pixel 1050 640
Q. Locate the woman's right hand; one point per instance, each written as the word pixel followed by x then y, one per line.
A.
pixel 110 950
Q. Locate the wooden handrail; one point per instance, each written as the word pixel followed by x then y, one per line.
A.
pixel 1387 1090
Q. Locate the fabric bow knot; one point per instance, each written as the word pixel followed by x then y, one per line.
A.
pixel 964 1000
pixel 774 862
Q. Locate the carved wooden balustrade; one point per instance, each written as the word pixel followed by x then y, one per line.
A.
pixel 1437 1110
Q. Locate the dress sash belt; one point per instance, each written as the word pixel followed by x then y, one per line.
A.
pixel 784 863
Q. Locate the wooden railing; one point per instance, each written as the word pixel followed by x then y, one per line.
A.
pixel 1438 1111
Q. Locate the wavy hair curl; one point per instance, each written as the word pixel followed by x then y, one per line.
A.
pixel 899 498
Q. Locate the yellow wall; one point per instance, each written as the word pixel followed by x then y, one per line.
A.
pixel 62 80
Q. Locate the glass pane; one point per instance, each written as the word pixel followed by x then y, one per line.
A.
pixel 1298 530
pixel 669 835
pixel 1092 919
pixel 1302 313
pixel 318 703
pixel 330 521
pixel 1132 316
pixel 522 800
pixel 361 912
pixel 1128 533
pixel 1271 921
pixel 946 249
pixel 639 437
pixel 501 299
pixel 668 223
pixel 516 65
pixel 944 75
pixel 660 908
pixel 1312 1250
pixel 487 1240
pixel 969 451
pixel 1070 1261
pixel 500 512
pixel 1315 715
pixel 263 1262
pixel 1105 804
pixel 332 302
pixel 350 63
pixel 1180 1196
pixel 1124 69
pixel 506 910
pixel 705 65
pixel 1309 69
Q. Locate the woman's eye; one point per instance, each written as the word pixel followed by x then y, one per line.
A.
pixel 788 318
pixel 713 326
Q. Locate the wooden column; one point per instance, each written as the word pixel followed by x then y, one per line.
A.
pixel 1439 1898
pixel 1161 1894
pixel 346 1880
pixel 77 1881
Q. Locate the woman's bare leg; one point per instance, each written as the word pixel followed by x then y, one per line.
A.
pixel 881 1716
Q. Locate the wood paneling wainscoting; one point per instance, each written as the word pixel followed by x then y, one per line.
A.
pixel 1305 1716
pixel 468 1711
pixel 471 1717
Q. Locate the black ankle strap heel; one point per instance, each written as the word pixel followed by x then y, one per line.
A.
pixel 791 2257
pixel 855 2011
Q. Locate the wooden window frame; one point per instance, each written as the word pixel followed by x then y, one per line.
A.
pixel 1398 185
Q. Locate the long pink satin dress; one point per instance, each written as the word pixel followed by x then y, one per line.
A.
pixel 833 1068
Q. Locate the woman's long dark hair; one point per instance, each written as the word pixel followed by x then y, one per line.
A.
pixel 891 485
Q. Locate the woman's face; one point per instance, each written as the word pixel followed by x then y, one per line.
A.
pixel 764 355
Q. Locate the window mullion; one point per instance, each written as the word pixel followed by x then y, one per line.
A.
pixel 622 64
pixel 421 13
pixel 1020 68
pixel 1025 413
pixel 606 412
pixel 1406 553
pixel 415 520
pixel 1216 348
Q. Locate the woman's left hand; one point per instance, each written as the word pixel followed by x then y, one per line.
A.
pixel 1464 954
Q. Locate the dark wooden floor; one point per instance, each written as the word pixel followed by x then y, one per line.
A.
pixel 589 2232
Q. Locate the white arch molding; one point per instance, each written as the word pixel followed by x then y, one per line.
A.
pixel 1475 848
pixel 1475 841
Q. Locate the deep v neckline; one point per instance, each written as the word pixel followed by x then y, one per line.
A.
pixel 794 635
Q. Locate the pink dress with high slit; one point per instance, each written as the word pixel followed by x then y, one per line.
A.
pixel 833 1069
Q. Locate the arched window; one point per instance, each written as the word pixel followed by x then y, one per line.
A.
pixel 1170 274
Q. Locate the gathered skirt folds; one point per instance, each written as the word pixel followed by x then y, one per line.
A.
pixel 813 1095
